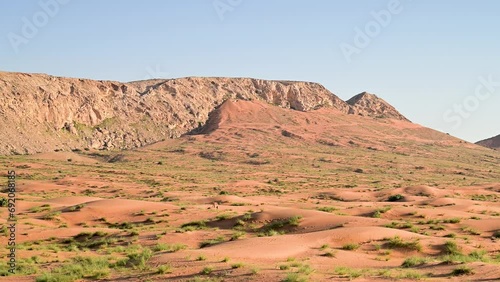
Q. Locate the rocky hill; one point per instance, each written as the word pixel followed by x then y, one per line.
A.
pixel 42 113
pixel 493 142
pixel 367 104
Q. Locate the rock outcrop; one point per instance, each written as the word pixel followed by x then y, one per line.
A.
pixel 41 113
pixel 367 104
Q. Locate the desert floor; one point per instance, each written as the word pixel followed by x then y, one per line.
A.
pixel 303 197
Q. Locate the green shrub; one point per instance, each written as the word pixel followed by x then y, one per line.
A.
pixel 237 265
pixel 452 220
pixel 294 277
pixel 194 225
pixel 451 248
pixel 201 258
pixel 398 243
pixel 413 261
pixel 164 269
pixel 140 259
pixel 211 242
pixel 350 247
pixel 327 209
pixel 395 198
pixel 207 270
pixel 171 248
pixel 348 272
pixel 79 268
pixel 462 270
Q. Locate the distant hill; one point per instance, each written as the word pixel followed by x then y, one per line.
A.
pixel 44 113
pixel 493 142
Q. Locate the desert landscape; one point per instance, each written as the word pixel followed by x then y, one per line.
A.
pixel 237 179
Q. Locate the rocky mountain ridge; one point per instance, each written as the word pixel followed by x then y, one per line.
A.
pixel 41 113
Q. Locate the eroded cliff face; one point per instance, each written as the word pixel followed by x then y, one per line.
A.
pixel 41 113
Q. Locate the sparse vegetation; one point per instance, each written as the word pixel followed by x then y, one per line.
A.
pixel 327 209
pixel 42 208
pixel 398 243
pixel 211 242
pixel 462 270
pixel 414 261
pixel 350 273
pixel 451 248
pixel 350 247
pixel 207 270
pixel 171 248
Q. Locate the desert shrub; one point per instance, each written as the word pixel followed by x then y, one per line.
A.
pixel 451 248
pixel 237 265
pixel 350 247
pixel 201 258
pixel 41 208
pixel 329 254
pixel 140 258
pixel 462 270
pixel 398 243
pixel 437 227
pixel 237 235
pixel 413 261
pixel 79 268
pixel 211 242
pixel 327 209
pixel 277 224
pixel 207 270
pixel 164 269
pixel 294 277
pixel 254 270
pixel 284 267
pixel 470 230
pixel 349 272
pixel 51 215
pixel 194 225
pixel 395 198
pixel 171 248
pixel 222 217
pixel 452 220
pixel 76 208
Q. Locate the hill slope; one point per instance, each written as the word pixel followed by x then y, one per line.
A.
pixel 45 113
pixel 493 142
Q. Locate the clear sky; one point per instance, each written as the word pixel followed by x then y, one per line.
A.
pixel 437 62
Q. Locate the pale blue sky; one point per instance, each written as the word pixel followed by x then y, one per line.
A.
pixel 428 57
